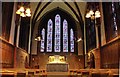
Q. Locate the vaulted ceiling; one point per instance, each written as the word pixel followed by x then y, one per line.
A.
pixel 76 9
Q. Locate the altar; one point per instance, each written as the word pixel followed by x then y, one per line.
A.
pixel 57 63
pixel 57 67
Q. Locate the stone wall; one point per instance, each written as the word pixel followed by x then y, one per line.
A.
pixel 22 58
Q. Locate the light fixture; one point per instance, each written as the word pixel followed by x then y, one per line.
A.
pixel 97 14
pixel 91 12
pixel 21 9
pixel 23 12
pixel 38 38
pixel 28 12
pixel 18 12
pixel 93 18
pixel 80 39
pixel 88 15
pixel 35 39
pixel 93 15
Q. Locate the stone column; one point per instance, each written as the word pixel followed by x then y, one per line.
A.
pixel 18 33
pixel 12 31
pixel 103 39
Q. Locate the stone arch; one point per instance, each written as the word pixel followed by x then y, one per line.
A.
pixel 39 24
pixel 26 62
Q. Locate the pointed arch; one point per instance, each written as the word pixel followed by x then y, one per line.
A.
pixel 57 33
pixel 49 35
pixel 65 36
pixel 62 23
pixel 71 40
pixel 43 41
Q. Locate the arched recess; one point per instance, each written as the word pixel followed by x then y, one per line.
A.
pixel 50 15
pixel 79 17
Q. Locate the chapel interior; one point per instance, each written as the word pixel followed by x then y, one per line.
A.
pixel 59 39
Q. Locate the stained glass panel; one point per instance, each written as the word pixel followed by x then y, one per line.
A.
pixel 57 33
pixel 65 36
pixel 43 41
pixel 71 40
pixel 49 35
pixel 57 36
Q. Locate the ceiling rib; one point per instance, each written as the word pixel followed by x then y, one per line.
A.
pixel 39 4
pixel 74 12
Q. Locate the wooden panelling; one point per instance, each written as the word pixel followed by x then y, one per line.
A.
pixel 109 54
pixel 7 52
pixel 13 56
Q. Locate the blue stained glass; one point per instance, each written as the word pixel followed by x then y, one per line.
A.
pixel 43 40
pixel 57 33
pixel 71 40
pixel 49 35
pixel 65 36
pixel 57 36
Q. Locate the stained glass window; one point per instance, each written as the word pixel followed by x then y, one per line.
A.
pixel 58 26
pixel 43 40
pixel 65 36
pixel 49 35
pixel 57 33
pixel 71 40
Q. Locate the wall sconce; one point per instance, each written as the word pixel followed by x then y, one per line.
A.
pixel 38 38
pixel 23 12
pixel 80 39
pixel 77 39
